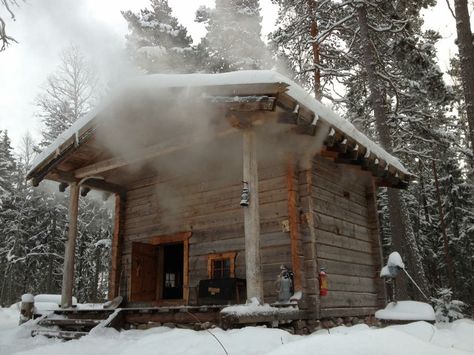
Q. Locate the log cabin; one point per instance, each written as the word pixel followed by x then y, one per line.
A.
pixel 218 180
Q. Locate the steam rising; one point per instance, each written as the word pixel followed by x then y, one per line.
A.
pixel 188 120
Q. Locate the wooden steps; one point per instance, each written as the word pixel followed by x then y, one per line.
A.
pixel 61 334
pixel 74 324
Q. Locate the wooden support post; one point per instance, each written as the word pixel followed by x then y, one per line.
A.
pixel 116 257
pixel 293 218
pixel 68 272
pixel 253 266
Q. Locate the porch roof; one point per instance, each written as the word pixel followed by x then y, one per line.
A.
pixel 241 91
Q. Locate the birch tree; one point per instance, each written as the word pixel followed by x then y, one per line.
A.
pixel 69 94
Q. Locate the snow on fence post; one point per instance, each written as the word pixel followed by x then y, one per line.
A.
pixel 27 307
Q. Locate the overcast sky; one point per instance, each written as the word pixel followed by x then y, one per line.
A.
pixel 44 27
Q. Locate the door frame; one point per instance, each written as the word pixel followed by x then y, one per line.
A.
pixel 181 237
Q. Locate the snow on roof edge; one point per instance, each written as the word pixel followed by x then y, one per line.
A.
pixel 157 81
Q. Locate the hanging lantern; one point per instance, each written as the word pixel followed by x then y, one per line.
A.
pixel 245 197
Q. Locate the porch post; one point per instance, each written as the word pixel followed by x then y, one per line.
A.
pixel 116 255
pixel 253 267
pixel 68 272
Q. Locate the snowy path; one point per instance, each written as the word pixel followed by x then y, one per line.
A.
pixel 419 338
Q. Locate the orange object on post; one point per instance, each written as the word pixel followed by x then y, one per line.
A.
pixel 323 283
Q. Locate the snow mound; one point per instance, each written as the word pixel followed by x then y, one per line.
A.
pixel 386 341
pixel 407 311
pixel 418 338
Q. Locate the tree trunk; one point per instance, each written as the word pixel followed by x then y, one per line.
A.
pixel 95 285
pixel 449 261
pixel 316 58
pixel 402 233
pixel 466 58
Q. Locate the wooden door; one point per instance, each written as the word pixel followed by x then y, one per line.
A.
pixel 144 272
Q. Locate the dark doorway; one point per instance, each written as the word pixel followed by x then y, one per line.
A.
pixel 173 271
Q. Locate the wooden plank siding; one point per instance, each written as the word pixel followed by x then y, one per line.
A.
pixel 347 242
pixel 209 208
pixel 335 227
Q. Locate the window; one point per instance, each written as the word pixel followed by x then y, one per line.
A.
pixel 220 266
pixel 170 280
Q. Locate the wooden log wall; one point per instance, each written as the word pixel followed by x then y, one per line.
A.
pixel 209 207
pixel 347 243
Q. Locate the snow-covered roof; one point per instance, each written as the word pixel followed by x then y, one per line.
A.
pixel 160 81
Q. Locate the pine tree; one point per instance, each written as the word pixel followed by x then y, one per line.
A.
pixel 157 42
pixel 233 39
pixel 312 51
pixel 7 166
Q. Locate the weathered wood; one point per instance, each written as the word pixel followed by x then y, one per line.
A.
pixel 348 299
pixel 173 317
pixel 143 272
pixel 171 238
pixel 117 242
pixel 377 242
pixel 93 183
pixel 79 323
pixel 186 271
pixel 253 265
pixel 154 151
pixel 347 312
pixel 221 256
pixel 347 255
pixel 293 217
pixel 68 272
pixel 230 319
pixel 182 237
pixel 244 103
pixel 61 334
pixel 352 283
pixel 341 268
pixel 341 227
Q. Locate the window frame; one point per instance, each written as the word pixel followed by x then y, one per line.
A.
pixel 211 258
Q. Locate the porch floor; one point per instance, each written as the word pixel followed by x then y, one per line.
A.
pixel 75 323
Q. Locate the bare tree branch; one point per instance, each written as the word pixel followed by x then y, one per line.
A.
pixel 450 9
pixel 5 39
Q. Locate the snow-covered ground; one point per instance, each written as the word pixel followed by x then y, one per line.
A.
pixel 418 338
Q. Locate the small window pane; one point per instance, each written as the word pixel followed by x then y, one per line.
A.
pixel 220 268
pixel 170 280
